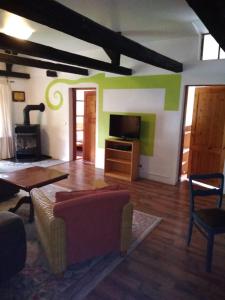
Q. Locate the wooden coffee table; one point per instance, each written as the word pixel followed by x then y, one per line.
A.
pixel 30 178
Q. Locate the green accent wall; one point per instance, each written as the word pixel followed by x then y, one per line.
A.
pixel 147 135
pixel 171 84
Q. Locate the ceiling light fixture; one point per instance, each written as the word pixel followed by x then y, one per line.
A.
pixel 17 27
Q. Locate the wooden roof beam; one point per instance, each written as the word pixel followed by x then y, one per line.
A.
pixel 59 17
pixel 24 61
pixel 14 74
pixel 34 49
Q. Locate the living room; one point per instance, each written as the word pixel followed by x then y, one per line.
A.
pixel 155 94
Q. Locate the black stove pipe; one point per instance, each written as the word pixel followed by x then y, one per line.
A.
pixel 28 108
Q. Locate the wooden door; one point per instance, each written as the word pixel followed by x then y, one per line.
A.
pixel 72 95
pixel 207 144
pixel 186 147
pixel 89 125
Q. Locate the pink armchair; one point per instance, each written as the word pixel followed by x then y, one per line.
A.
pixel 82 225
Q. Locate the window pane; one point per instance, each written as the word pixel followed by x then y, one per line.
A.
pixel 210 48
pixel 80 108
pixel 80 123
pixel 80 136
pixel 80 94
pixel 222 54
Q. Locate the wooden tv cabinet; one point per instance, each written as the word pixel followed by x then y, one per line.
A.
pixel 122 159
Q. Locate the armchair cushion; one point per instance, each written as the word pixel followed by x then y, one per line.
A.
pixel 62 196
pixel 95 219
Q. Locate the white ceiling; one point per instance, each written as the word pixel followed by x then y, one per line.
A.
pixel 136 19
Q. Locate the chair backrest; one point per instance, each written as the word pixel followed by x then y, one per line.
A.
pixel 204 192
pixel 92 219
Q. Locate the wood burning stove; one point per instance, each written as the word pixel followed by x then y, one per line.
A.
pixel 28 137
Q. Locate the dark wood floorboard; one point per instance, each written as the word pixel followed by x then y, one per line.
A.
pixel 162 266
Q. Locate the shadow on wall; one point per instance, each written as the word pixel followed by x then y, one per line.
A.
pixel 44 142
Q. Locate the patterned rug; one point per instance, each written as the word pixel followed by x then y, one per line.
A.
pixel 36 282
pixel 10 166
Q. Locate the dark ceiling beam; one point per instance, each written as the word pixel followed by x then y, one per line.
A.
pixel 60 17
pixel 8 67
pixel 14 74
pixel 30 48
pixel 115 57
pixel 24 61
pixel 212 14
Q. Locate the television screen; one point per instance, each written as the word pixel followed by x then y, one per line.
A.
pixel 125 126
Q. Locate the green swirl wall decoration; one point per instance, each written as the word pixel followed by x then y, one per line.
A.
pixel 58 94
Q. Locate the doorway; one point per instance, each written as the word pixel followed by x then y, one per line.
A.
pixel 84 124
pixel 203 142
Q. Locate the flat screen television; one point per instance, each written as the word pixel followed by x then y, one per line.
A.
pixel 126 127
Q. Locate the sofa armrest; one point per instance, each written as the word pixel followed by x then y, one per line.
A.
pixel 51 231
pixel 126 227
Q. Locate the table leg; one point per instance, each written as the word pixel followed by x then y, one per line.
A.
pixel 31 217
pixel 25 199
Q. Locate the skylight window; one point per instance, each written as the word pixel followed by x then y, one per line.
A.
pixel 222 54
pixel 211 49
pixel 17 27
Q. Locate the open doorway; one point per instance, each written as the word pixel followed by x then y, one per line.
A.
pixel 84 124
pixel 190 95
pixel 203 143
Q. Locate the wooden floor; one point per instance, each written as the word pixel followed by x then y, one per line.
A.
pixel 162 266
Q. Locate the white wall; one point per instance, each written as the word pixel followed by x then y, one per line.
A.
pixel 160 166
pixel 16 84
pixel 55 124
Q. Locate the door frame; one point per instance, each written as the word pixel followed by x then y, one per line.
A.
pixel 73 99
pixel 85 126
pixel 186 87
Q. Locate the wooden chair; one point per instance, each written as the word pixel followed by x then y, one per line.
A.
pixel 209 221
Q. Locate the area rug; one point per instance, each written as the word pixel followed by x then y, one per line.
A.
pixel 10 166
pixel 36 282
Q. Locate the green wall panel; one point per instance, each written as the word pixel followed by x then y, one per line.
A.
pixel 147 135
pixel 171 84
